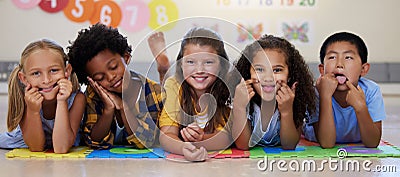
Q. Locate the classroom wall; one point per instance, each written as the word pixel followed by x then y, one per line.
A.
pixel 376 21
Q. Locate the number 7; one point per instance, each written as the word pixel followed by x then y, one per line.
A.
pixel 134 10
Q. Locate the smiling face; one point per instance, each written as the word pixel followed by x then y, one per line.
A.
pixel 200 66
pixel 261 70
pixel 107 69
pixel 342 59
pixel 42 70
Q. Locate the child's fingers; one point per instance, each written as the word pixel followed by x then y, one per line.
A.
pixel 184 136
pixel 194 133
pixel 189 146
pixel 318 80
pixel 59 88
pixel 28 87
pixel 360 89
pixel 199 154
pixel 65 82
pixel 194 127
pixel 93 84
pixel 251 94
pixel 350 85
pixel 102 91
pixel 40 99
pixel 37 95
pixel 203 154
pixel 284 88
pixel 188 136
pixel 294 86
pixel 194 136
pixel 251 81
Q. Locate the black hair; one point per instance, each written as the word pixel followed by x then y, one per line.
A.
pixel 91 42
pixel 345 37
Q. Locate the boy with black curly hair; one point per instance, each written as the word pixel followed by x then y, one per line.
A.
pixel 122 106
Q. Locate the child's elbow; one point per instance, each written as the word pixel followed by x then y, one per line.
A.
pixel 242 146
pixel 36 149
pixel 371 145
pixel 327 145
pixel 61 150
pixel 289 147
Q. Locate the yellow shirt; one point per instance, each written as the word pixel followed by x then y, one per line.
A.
pixel 170 115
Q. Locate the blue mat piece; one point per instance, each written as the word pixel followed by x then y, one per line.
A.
pixel 277 150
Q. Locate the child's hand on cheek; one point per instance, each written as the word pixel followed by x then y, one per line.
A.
pixel 117 100
pixel 244 92
pixel 285 97
pixel 65 89
pixel 327 84
pixel 33 98
pixel 194 154
pixel 108 103
pixel 355 96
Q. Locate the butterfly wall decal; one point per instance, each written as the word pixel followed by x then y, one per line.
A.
pixel 249 32
pixel 293 33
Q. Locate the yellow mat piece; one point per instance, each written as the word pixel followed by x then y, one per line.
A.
pixel 75 152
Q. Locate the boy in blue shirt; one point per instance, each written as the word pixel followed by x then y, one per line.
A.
pixel 350 106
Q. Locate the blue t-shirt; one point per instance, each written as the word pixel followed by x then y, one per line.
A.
pixel 347 130
pixel 14 139
pixel 271 136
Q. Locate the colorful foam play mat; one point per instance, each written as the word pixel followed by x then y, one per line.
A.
pixel 304 149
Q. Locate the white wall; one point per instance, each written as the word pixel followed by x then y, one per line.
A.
pixel 376 21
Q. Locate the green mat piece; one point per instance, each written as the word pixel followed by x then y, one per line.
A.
pixel 385 149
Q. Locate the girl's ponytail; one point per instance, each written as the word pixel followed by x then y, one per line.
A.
pixel 16 102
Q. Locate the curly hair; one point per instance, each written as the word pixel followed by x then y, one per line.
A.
pixel 92 41
pixel 298 72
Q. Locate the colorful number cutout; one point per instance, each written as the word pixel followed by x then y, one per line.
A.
pixel 136 15
pixel 132 15
pixel 53 6
pixel 161 13
pixel 106 12
pixel 79 10
pixel 26 4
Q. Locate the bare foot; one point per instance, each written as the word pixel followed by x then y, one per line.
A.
pixel 157 46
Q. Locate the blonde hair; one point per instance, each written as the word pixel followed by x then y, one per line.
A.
pixel 16 101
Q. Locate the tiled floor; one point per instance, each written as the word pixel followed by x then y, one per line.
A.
pixel 162 167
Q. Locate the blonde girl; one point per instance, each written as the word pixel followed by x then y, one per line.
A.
pixel 45 107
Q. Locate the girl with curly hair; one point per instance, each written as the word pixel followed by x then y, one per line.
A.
pixel 269 106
